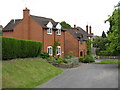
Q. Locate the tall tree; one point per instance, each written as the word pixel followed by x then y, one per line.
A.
pixel 114 33
pixel 65 25
pixel 103 34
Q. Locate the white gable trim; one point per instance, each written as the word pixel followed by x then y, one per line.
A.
pixel 58 26
pixel 50 25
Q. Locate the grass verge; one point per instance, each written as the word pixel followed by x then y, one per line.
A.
pixel 109 62
pixel 27 73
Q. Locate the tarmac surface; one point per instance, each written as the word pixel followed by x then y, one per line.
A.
pixel 86 76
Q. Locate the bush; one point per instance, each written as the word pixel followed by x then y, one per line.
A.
pixel 43 55
pixel 70 55
pixel 17 48
pixel 104 53
pixel 81 59
pixel 74 60
pixel 65 61
pixel 60 61
pixel 51 59
pixel 88 59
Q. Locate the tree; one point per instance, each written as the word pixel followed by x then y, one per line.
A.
pixel 103 34
pixel 114 33
pixel 100 42
pixel 65 25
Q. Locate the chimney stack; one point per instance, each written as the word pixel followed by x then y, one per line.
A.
pixel 26 25
pixel 74 26
pixel 87 29
pixel 26 13
pixel 90 29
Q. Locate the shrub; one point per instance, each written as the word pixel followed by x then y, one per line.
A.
pixel 81 59
pixel 104 53
pixel 51 59
pixel 65 61
pixel 17 48
pixel 43 55
pixel 59 61
pixel 74 60
pixel 88 59
pixel 70 55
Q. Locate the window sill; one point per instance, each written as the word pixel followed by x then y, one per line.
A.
pixel 58 34
pixel 49 33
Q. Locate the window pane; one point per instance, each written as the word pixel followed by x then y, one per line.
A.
pixel 50 30
pixel 48 51
pixel 59 50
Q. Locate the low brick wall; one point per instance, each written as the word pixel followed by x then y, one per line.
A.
pixel 109 57
pixel 69 65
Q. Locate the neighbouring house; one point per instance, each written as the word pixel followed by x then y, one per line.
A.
pixel 37 28
pixel 75 40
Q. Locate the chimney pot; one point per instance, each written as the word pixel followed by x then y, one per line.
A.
pixel 90 28
pixel 74 26
pixel 87 29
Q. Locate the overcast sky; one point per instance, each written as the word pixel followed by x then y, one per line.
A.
pixel 79 12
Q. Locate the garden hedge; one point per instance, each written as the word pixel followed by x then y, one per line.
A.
pixel 16 48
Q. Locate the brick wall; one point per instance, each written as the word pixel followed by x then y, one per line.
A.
pixel 82 48
pixel 71 44
pixel 60 39
pixel 7 34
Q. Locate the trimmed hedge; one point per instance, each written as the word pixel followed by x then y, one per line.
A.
pixel 17 48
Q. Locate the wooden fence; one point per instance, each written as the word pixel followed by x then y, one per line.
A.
pixel 109 57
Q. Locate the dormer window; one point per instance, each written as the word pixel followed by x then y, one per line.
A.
pixel 50 26
pixel 58 26
pixel 49 31
pixel 58 32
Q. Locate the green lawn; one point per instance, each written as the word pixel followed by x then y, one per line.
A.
pixel 27 73
pixel 109 62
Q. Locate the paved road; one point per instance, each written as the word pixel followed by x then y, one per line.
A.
pixel 86 76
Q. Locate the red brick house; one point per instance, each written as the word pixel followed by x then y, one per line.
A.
pixel 48 31
pixel 75 40
pixel 37 28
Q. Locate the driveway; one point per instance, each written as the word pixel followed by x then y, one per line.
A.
pixel 86 76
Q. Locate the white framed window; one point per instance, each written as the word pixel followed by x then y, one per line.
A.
pixel 49 31
pixel 58 50
pixel 50 50
pixel 58 32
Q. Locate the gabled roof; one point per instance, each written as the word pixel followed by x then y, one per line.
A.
pixel 40 20
pixel 11 25
pixel 79 34
pixel 81 31
pixel 43 21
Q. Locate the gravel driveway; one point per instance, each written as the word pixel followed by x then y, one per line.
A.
pixel 86 76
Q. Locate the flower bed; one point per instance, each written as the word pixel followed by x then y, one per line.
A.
pixel 64 63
